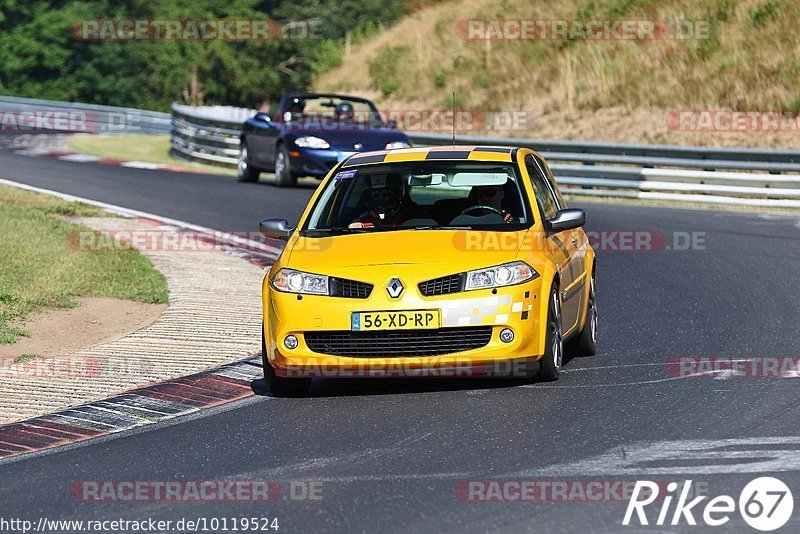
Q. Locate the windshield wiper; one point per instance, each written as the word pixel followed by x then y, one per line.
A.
pixel 338 231
pixel 335 231
pixel 442 228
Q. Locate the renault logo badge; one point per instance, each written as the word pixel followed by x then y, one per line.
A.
pixel 394 288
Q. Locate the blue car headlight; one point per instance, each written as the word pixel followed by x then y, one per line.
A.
pixel 309 141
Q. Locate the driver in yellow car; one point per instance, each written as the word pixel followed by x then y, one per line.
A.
pixel 492 197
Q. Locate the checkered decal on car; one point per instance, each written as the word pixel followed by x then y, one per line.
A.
pixel 483 311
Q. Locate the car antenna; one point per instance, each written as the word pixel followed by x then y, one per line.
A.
pixel 454 118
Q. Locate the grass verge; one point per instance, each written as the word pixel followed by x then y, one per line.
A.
pixel 135 147
pixel 40 269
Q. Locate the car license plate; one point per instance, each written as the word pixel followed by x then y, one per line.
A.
pixel 395 320
pixel 344 155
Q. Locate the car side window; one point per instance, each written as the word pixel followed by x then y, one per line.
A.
pixel 562 205
pixel 544 195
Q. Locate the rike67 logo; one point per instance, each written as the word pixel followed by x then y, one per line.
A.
pixel 766 504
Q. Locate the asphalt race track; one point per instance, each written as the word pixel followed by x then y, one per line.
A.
pixel 390 455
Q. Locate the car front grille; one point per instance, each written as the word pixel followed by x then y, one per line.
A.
pixel 442 286
pixel 341 287
pixel 394 343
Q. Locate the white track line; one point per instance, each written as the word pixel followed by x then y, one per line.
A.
pixel 141 165
pixel 80 157
pixel 219 235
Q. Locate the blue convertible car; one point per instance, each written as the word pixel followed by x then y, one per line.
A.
pixel 308 133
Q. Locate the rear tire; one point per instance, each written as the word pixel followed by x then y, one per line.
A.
pixel 283 168
pixel 244 170
pixel 280 386
pixel 550 368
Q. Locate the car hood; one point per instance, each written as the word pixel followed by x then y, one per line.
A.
pixel 442 251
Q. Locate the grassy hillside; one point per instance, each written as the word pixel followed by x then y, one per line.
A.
pixel 582 89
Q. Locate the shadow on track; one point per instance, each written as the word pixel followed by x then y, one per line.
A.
pixel 352 387
pixel 269 179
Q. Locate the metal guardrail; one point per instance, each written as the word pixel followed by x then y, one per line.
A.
pixel 31 116
pixel 592 152
pixel 210 134
pixel 207 134
pixel 732 176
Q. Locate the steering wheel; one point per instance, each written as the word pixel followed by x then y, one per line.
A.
pixel 480 207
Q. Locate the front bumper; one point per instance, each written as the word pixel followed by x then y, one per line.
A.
pixel 315 163
pixel 515 307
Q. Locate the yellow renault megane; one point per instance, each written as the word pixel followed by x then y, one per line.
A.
pixel 436 261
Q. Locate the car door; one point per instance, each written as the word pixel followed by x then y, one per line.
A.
pixel 561 246
pixel 578 245
pixel 261 140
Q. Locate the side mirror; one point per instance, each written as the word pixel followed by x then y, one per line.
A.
pixel 263 117
pixel 275 229
pixel 567 220
pixel 391 124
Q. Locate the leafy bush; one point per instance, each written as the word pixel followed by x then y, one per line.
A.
pixel 763 13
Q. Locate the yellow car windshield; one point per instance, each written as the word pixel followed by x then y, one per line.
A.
pixel 425 195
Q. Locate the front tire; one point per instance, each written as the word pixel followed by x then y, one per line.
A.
pixel 550 368
pixel 280 386
pixel 586 343
pixel 244 170
pixel 283 168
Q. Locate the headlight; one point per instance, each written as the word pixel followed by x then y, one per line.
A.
pixel 292 281
pixel 310 141
pixel 507 274
pixel 397 144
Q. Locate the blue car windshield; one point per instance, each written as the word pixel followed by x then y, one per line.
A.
pixel 329 109
pixel 425 195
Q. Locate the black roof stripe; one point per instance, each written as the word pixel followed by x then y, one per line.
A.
pixel 448 154
pixel 358 160
pixel 498 149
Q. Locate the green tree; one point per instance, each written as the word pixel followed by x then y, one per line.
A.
pixel 41 58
